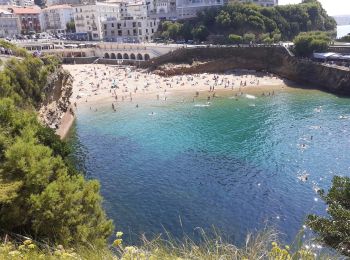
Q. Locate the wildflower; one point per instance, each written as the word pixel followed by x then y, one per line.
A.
pixel 15 253
pixel 119 234
pixel 27 242
pixel 22 247
pixel 117 242
pixel 274 244
pixel 130 249
pixel 31 246
pixel 287 247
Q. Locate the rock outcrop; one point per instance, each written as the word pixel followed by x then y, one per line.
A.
pixel 58 92
pixel 276 60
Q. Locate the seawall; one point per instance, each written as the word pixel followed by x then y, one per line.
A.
pixel 272 59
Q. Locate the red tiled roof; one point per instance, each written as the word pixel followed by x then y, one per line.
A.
pixel 26 10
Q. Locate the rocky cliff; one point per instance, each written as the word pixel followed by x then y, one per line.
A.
pixel 272 59
pixel 58 92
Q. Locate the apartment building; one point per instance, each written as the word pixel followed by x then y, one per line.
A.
pixel 89 18
pixel 130 30
pixel 56 17
pixel 189 8
pixel 30 18
pixel 265 3
pixel 9 24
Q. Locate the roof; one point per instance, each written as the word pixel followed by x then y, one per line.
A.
pixel 65 6
pixel 2 11
pixel 26 10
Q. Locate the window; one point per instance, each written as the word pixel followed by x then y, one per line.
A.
pixel 139 24
pixel 112 24
pixel 140 32
pixel 105 26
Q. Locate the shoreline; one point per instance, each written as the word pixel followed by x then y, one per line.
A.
pixel 94 84
pixel 66 123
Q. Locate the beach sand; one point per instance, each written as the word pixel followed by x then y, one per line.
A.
pixel 96 84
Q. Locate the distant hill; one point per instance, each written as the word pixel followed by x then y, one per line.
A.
pixel 342 19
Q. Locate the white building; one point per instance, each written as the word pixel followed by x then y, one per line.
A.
pixel 130 30
pixel 9 24
pixel 265 3
pixel 189 8
pixel 89 18
pixel 56 17
pixel 21 3
pixel 63 2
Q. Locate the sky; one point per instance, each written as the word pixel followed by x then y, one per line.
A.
pixel 333 7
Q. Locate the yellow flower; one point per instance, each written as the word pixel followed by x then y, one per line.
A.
pixel 119 234
pixel 287 247
pixel 117 242
pixel 31 246
pixel 27 242
pixel 274 244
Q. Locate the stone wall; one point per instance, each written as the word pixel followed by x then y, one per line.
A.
pixel 272 59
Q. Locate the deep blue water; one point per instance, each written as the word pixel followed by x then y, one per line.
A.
pixel 233 165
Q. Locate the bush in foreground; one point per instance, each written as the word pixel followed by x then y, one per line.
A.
pixel 334 230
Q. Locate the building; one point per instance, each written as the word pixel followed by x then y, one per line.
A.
pixel 56 17
pixel 29 17
pixel 7 2
pixel 189 8
pixel 63 2
pixel 9 24
pixel 19 3
pixel 130 30
pixel 265 3
pixel 89 18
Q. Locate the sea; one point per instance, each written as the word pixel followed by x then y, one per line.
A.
pixel 236 164
pixel 343 30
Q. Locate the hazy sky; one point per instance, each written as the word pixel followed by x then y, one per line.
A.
pixel 333 7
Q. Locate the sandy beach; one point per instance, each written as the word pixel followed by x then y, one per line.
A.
pixel 95 84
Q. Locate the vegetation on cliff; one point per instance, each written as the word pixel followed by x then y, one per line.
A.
pixel 307 43
pixel 263 245
pixel 269 23
pixel 334 230
pixel 345 38
pixel 40 193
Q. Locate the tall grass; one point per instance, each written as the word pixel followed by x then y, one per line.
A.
pixel 262 245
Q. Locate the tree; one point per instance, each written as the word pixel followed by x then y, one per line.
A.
pixel 40 192
pixel 334 230
pixel 308 42
pixel 248 37
pixel 200 33
pixel 345 38
pixel 234 38
pixel 70 27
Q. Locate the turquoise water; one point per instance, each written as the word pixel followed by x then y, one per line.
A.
pixel 233 165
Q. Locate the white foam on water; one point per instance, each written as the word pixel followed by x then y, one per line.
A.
pixel 250 96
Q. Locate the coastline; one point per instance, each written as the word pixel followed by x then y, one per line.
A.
pixel 96 84
pixel 66 123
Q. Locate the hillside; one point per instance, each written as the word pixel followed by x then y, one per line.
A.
pixel 276 23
